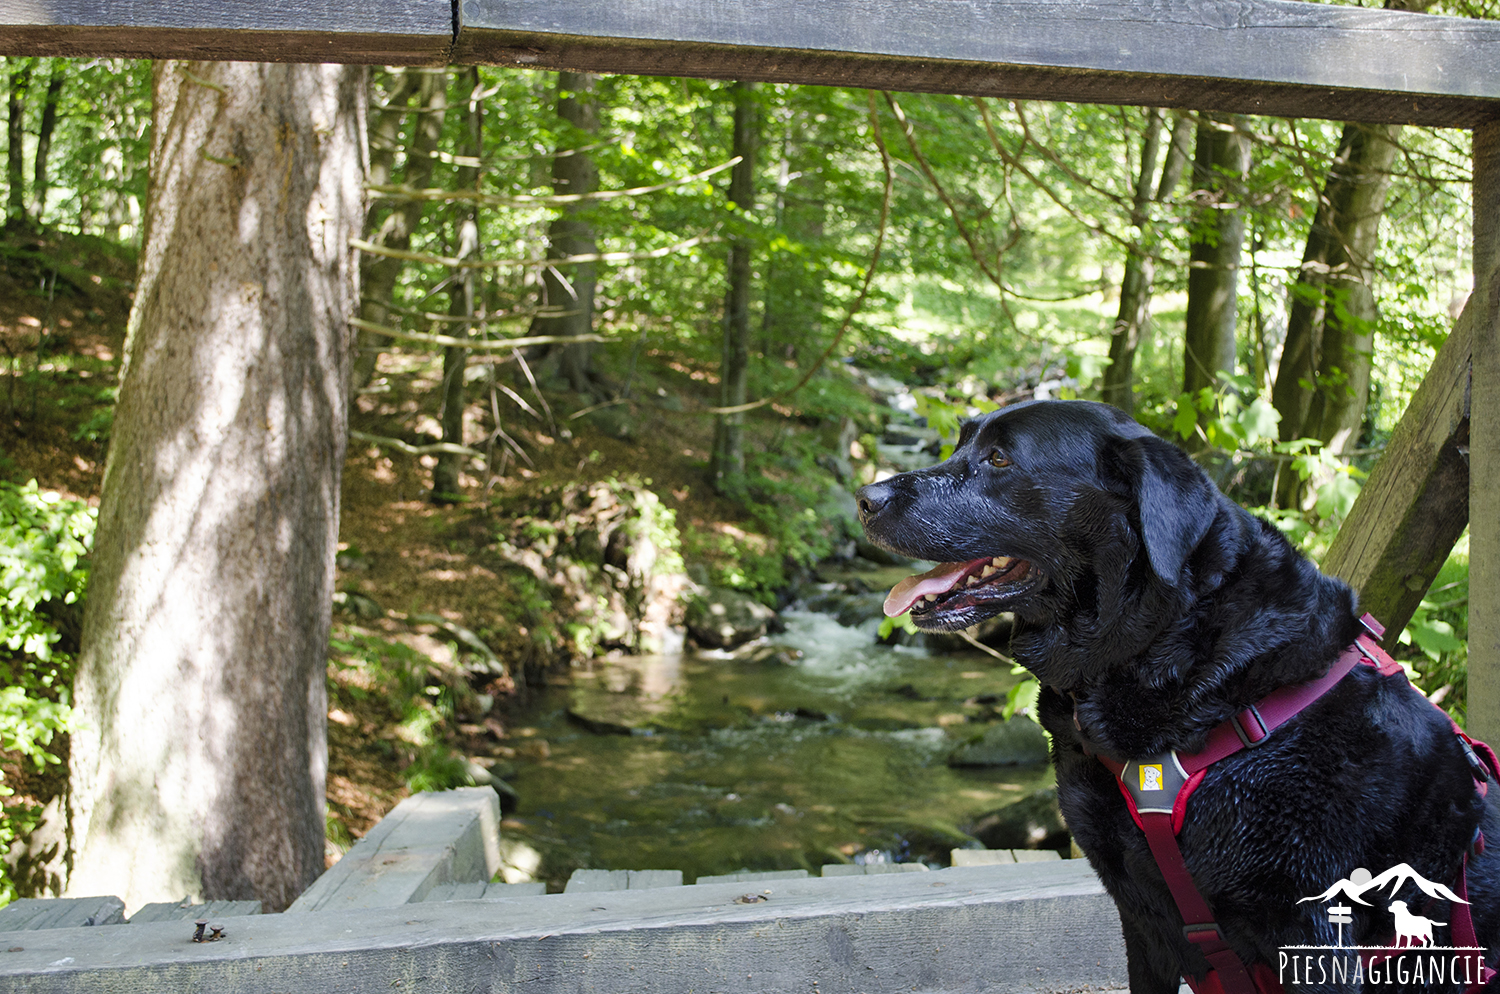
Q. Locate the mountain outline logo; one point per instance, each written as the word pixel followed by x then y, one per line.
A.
pixel 1361 882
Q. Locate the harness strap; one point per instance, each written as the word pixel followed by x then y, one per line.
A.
pixel 1199 926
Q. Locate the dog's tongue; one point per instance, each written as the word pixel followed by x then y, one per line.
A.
pixel 937 580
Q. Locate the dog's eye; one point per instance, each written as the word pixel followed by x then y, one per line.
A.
pixel 997 459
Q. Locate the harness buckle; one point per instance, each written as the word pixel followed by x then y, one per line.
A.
pixel 1476 765
pixel 1260 727
pixel 1203 932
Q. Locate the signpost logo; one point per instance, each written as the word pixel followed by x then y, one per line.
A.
pixel 1412 957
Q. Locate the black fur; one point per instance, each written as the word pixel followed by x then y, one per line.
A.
pixel 1153 609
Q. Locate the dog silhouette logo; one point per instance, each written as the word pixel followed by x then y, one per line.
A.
pixel 1412 929
pixel 1151 777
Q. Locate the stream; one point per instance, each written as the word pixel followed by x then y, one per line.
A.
pixel 810 746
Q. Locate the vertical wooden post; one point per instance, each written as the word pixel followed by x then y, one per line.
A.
pixel 1484 448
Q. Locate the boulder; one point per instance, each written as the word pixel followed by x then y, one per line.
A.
pixel 719 618
pixel 1033 822
pixel 1004 743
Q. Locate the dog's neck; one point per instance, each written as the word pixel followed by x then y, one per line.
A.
pixel 1232 636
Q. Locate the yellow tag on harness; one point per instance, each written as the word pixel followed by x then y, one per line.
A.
pixel 1151 776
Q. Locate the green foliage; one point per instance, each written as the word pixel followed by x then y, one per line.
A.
pixel 43 542
pixel 1438 635
pixel 413 695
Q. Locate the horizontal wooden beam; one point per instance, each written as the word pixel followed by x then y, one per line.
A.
pixel 1029 927
pixel 1276 57
pixel 374 32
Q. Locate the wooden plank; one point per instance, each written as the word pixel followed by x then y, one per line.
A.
pixel 171 911
pixel 1034 927
pixel 752 876
pixel 1277 57
pixel 1415 504
pixel 427 840
pixel 1484 453
pixel 30 913
pixel 377 32
pixel 600 881
pixel 870 869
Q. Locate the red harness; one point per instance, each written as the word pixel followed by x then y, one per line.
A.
pixel 1157 792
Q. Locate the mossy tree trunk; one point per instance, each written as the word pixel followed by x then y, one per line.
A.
pixel 1323 380
pixel 200 763
pixel 1220 166
pixel 571 288
pixel 734 369
pixel 15 157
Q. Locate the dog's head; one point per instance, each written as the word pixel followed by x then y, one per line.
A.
pixel 1047 509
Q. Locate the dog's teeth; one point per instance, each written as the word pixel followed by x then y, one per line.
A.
pixel 931 597
pixel 971 580
pixel 987 572
pixel 1000 562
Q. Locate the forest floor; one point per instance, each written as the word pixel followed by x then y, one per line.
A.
pixel 407 705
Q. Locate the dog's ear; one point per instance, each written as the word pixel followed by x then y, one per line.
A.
pixel 1176 501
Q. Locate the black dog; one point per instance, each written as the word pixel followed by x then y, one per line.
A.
pixel 1152 608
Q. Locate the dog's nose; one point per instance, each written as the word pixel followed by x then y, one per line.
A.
pixel 872 499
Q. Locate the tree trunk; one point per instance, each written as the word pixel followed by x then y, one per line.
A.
pixel 44 139
pixel 1118 387
pixel 1135 287
pixel 734 370
pixel 199 767
pixel 1323 379
pixel 445 482
pixel 1220 166
pixel 794 282
pixel 379 273
pixel 572 234
pixel 15 160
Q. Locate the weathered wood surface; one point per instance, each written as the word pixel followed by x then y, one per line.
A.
pixel 1028 927
pixel 1484 455
pixel 427 840
pixel 1276 57
pixel 70 912
pixel 1415 504
pixel 598 881
pixel 376 32
pixel 174 911
pixel 1255 56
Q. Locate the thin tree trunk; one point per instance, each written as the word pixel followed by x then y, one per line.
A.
pixel 379 273
pixel 15 160
pixel 445 476
pixel 200 763
pixel 44 139
pixel 572 234
pixel 1220 166
pixel 1135 287
pixel 734 371
pixel 1323 380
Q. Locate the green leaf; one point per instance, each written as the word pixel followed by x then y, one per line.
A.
pixel 1187 416
pixel 903 622
pixel 1258 420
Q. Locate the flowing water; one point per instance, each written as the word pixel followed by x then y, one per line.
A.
pixel 816 745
